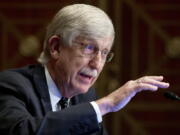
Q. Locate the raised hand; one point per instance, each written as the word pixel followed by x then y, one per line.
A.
pixel 120 97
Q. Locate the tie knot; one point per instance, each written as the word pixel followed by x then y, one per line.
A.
pixel 63 103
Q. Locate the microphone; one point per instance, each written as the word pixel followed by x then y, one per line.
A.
pixel 171 95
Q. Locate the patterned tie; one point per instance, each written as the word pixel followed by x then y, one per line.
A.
pixel 63 103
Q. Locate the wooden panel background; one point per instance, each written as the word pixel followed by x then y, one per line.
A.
pixel 147 43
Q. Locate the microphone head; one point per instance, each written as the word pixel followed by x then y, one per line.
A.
pixel 171 95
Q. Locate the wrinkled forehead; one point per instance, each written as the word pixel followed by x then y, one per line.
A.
pixel 100 42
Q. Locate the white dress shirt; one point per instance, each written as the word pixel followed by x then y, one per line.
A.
pixel 55 96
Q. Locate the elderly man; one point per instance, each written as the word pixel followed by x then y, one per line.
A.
pixel 55 97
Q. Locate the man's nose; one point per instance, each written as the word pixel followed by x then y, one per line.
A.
pixel 96 60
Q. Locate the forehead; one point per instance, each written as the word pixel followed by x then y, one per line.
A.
pixel 104 42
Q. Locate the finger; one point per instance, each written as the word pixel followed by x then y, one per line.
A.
pixel 156 83
pixel 146 86
pixel 158 78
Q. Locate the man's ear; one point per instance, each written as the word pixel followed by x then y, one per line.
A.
pixel 54 44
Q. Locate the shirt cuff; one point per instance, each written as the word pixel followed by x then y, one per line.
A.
pixel 98 112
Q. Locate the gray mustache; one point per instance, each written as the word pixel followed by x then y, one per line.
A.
pixel 89 72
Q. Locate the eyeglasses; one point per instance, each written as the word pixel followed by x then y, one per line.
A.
pixel 92 50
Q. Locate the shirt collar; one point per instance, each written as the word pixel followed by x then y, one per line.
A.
pixel 54 92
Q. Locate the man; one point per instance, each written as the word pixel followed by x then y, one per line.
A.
pixel 77 45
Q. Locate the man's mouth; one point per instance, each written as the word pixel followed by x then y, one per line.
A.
pixel 87 75
pixel 85 78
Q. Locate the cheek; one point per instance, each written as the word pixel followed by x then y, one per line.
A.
pixel 70 67
pixel 79 62
pixel 62 67
pixel 61 70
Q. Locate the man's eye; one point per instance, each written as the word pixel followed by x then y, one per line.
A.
pixel 89 48
pixel 105 52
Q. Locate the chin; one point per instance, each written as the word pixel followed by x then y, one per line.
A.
pixel 81 90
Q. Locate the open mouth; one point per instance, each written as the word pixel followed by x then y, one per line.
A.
pixel 85 75
pixel 85 78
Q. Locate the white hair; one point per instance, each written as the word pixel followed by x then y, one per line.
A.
pixel 74 20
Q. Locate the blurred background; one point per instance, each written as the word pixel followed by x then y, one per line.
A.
pixel 147 43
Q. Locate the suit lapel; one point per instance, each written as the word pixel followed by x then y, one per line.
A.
pixel 42 88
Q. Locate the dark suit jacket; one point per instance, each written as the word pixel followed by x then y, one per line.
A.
pixel 25 107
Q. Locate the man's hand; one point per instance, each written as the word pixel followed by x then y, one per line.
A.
pixel 120 97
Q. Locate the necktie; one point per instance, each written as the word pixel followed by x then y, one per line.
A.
pixel 63 103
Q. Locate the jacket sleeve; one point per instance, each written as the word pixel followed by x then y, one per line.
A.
pixel 64 122
pixel 16 118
